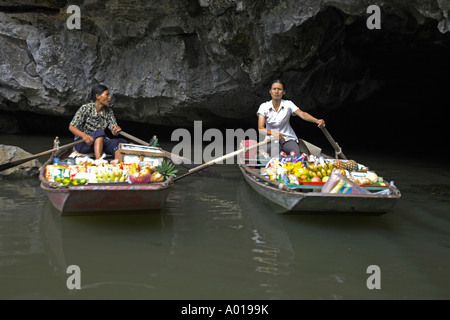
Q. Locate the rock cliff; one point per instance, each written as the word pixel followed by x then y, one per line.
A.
pixel 171 62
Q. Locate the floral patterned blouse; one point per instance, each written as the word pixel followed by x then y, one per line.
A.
pixel 87 118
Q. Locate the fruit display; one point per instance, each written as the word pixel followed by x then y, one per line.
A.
pixel 89 172
pixel 317 169
pixel 320 170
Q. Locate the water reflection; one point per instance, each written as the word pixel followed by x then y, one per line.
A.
pixel 116 254
pixel 272 249
pixel 201 244
pixel 218 239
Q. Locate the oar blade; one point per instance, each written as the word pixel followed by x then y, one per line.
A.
pixel 15 163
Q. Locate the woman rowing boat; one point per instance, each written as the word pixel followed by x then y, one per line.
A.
pixel 274 116
pixel 90 123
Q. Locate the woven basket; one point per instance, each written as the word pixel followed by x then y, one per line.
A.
pixel 140 179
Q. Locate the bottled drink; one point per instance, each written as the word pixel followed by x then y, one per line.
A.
pixel 282 157
pixel 291 157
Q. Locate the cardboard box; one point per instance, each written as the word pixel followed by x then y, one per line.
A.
pixel 132 153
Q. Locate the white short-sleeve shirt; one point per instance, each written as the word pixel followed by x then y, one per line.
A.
pixel 279 121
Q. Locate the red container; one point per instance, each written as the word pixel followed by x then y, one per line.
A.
pixel 309 183
pixel 251 154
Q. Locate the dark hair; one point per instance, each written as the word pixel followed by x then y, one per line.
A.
pixel 98 89
pixel 278 81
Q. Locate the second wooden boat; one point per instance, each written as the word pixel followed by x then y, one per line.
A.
pixel 103 198
pixel 308 198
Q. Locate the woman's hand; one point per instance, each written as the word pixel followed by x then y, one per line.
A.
pixel 89 140
pixel 115 130
pixel 277 135
pixel 321 123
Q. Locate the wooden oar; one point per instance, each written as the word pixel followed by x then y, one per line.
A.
pixel 336 147
pixel 11 164
pixel 183 161
pixel 219 159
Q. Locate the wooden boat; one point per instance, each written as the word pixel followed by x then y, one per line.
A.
pixel 308 199
pixel 103 198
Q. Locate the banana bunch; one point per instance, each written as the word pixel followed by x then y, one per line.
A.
pixel 319 170
pixel 113 175
pixel 133 169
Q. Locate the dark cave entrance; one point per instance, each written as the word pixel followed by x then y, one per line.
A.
pixel 406 115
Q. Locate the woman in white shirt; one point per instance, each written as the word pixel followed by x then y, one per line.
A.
pixel 274 119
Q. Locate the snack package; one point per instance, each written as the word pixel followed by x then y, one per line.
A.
pixel 52 172
pixel 338 183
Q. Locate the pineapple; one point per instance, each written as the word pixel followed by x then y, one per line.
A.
pixel 351 165
pixel 338 164
pixel 166 169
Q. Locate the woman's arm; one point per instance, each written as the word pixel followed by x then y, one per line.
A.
pixel 307 117
pixel 112 123
pixel 86 138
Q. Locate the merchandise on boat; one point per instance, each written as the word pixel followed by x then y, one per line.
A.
pixel 84 170
pixel 76 184
pixel 292 170
pixel 319 184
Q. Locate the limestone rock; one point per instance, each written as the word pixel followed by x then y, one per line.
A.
pixel 172 62
pixel 25 170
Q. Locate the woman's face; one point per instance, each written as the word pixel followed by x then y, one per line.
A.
pixel 276 91
pixel 104 98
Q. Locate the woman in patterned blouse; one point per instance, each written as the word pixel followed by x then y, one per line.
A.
pixel 90 123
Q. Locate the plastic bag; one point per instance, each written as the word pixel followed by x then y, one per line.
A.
pixel 338 183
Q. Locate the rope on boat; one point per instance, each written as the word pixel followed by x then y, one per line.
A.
pixel 56 144
pixel 339 151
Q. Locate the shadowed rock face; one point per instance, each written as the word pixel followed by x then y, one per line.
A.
pixel 25 170
pixel 173 62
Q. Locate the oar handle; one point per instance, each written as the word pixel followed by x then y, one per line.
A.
pixel 166 153
pixel 235 153
pixel 133 138
pixel 227 156
pixel 336 147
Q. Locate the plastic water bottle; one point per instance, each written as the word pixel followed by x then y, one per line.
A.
pixel 304 157
pixel 291 157
pixel 282 157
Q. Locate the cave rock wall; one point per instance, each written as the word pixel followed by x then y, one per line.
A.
pixel 172 62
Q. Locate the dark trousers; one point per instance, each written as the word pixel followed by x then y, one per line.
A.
pixel 275 148
pixel 110 146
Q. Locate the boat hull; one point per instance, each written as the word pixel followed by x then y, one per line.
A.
pixel 322 203
pixel 107 198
